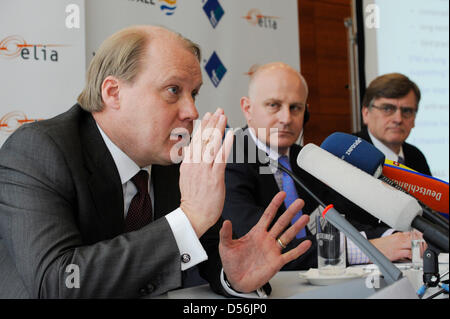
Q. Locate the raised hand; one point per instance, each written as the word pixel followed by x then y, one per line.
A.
pixel 202 172
pixel 250 261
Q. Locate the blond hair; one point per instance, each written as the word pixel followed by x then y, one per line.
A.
pixel 121 55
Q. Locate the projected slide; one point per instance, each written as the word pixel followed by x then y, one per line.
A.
pixel 411 37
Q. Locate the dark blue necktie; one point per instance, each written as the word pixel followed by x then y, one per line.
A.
pixel 291 192
pixel 401 160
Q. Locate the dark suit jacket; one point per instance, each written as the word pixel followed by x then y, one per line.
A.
pixel 61 203
pixel 414 158
pixel 248 193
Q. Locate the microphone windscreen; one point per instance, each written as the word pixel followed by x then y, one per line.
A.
pixel 377 198
pixel 356 151
pixel 429 190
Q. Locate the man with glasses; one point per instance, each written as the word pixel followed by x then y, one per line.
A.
pixel 389 110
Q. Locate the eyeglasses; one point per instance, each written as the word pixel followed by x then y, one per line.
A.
pixel 389 109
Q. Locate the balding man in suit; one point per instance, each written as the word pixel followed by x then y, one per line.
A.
pixel 91 205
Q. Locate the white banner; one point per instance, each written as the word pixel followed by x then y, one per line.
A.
pixel 42 60
pixel 45 50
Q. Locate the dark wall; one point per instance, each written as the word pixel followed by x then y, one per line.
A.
pixel 324 64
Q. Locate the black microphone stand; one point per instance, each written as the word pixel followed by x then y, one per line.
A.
pixel 431 277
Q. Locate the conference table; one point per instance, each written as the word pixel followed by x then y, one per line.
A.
pixel 299 285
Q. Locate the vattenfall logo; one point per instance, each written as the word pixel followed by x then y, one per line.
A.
pixel 166 6
pixel 13 120
pixel 256 18
pixel 15 46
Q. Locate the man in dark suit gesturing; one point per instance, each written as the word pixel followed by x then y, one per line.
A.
pixel 276 112
pixel 389 111
pixel 90 205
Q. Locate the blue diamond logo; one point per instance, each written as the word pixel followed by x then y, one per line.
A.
pixel 215 69
pixel 214 11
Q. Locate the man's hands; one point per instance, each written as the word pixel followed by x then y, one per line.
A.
pixel 250 262
pixel 395 247
pixel 202 173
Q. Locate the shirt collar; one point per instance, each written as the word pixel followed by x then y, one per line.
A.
pixel 125 165
pixel 274 155
pixel 388 153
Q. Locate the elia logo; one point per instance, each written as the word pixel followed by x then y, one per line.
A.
pixel 13 120
pixel 214 11
pixel 14 46
pixel 256 18
pixel 166 6
pixel 215 69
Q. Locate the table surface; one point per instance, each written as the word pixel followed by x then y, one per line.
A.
pixel 289 284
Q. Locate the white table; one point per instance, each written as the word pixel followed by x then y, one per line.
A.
pixel 288 284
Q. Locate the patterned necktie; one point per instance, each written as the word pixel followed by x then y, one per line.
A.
pixel 140 210
pixel 291 192
pixel 401 160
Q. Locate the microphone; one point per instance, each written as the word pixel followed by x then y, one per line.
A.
pixel 356 151
pixel 397 209
pixel 430 190
pixel 389 271
pixel 368 158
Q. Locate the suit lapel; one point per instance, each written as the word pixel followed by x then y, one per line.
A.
pixel 366 136
pixel 104 181
pixel 269 187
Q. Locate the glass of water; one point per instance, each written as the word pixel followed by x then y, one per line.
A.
pixel 331 252
pixel 418 246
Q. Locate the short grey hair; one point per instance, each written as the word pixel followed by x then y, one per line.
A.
pixel 121 55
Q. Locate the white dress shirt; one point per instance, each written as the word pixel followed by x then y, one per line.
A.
pixel 184 234
pixel 388 153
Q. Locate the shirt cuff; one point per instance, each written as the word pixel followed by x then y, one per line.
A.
pixel 354 255
pixel 259 293
pixel 388 232
pixel 191 250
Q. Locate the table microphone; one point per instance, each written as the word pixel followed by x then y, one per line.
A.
pixel 368 158
pixel 389 271
pixel 395 208
pixel 430 190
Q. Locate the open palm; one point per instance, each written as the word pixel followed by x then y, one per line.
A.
pixel 250 261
